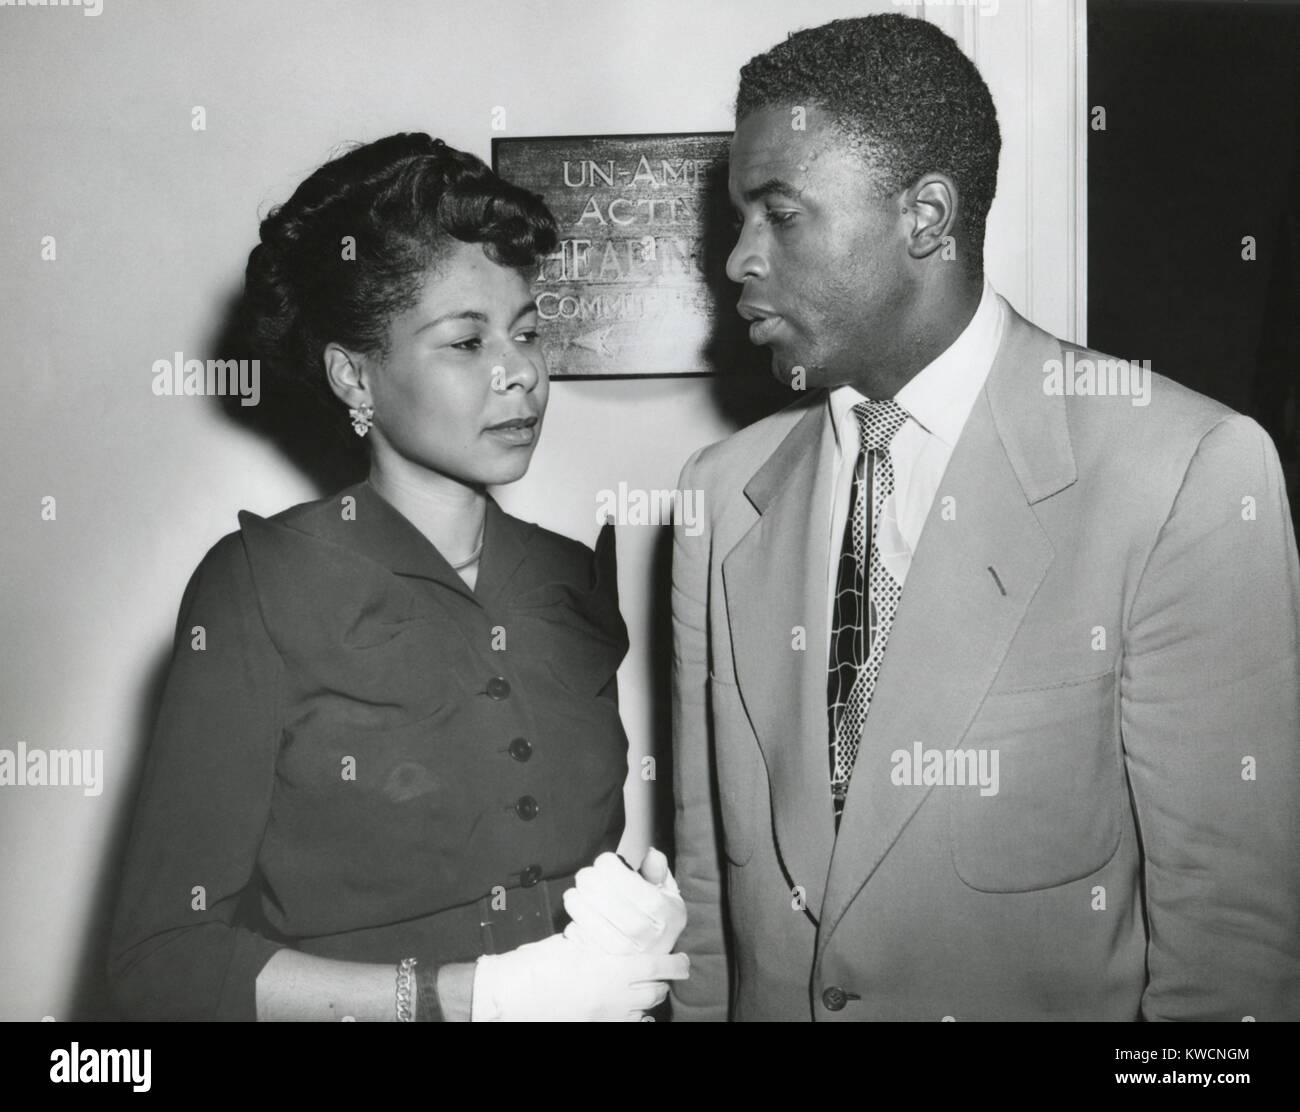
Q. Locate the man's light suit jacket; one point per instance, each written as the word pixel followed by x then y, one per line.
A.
pixel 1104 594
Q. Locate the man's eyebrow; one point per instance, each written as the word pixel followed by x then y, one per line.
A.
pixel 771 186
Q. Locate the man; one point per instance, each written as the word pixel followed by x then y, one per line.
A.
pixel 986 696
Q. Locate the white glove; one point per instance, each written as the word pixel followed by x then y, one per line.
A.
pixel 556 979
pixel 616 911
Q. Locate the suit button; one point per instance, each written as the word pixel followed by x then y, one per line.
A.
pixel 526 808
pixel 497 687
pixel 834 998
pixel 530 876
pixel 521 749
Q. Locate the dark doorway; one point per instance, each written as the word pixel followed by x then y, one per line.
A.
pixel 1199 151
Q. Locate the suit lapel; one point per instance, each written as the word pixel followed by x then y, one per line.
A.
pixel 775 583
pixel 954 622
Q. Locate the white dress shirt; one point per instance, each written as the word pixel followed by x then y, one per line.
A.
pixel 938 400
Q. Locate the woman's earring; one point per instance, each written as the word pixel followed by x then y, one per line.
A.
pixel 362 418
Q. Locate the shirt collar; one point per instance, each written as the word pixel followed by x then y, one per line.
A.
pixel 941 395
pixel 380 532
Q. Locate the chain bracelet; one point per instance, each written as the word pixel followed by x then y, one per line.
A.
pixel 405 989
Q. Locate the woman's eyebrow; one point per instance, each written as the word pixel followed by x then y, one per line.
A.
pixel 459 314
pixel 529 306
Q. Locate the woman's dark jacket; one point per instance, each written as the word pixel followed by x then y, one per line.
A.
pixel 359 757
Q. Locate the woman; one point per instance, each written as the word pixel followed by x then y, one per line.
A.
pixel 390 731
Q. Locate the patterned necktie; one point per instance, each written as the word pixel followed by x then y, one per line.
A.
pixel 860 631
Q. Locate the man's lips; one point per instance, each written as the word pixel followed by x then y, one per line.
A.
pixel 762 331
pixel 764 322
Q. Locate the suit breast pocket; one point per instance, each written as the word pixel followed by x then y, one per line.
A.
pixel 1055 814
pixel 737 759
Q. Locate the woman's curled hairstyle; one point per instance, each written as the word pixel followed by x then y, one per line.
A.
pixel 351 249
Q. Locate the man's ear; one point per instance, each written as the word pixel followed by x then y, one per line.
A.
pixel 932 206
pixel 347 375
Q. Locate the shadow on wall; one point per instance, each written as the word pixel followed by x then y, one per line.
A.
pixel 90 994
pixel 314 437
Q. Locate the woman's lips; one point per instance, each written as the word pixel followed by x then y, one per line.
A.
pixel 518 434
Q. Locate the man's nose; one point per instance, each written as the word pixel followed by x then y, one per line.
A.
pixel 745 260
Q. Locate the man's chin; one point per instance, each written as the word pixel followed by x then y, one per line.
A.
pixel 783 370
pixel 790 372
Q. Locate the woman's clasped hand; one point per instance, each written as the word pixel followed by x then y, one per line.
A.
pixel 613 962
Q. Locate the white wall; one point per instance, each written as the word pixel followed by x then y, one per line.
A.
pixel 153 222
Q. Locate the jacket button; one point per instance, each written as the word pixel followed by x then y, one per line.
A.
pixel 526 808
pixel 530 876
pixel 497 687
pixel 521 749
pixel 834 998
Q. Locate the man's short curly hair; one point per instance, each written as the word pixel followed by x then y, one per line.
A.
pixel 905 91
